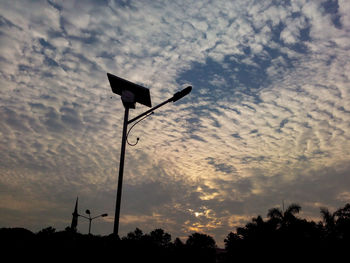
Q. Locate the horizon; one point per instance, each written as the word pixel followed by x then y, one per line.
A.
pixel 267 122
pixel 322 224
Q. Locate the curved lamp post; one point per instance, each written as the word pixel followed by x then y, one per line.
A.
pixel 91 218
pixel 130 94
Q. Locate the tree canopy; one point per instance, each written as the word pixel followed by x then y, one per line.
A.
pixel 281 235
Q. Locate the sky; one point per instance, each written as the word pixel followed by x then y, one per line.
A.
pixel 267 122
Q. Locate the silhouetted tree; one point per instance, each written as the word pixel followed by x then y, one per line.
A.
pixel 255 230
pixel 201 248
pixel 328 218
pixel 281 236
pixel 234 245
pixel 343 222
pixel 336 231
pixel 160 238
pixel 284 218
pixel 152 247
pixel 281 233
pixel 200 241
pixel 178 251
pixel 16 244
pixel 137 235
pixel 256 235
pixel 336 226
pixel 45 232
pixel 178 243
pixel 293 233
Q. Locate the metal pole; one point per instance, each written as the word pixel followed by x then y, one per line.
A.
pixel 90 219
pixel 121 170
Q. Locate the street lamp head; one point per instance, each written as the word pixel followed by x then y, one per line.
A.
pixel 130 92
pixel 181 94
pixel 87 211
pixel 104 215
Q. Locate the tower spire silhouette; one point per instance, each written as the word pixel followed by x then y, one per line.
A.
pixel 75 217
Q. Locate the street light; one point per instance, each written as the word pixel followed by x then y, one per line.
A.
pixel 91 218
pixel 130 94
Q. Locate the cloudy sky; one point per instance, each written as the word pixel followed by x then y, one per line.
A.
pixel 268 120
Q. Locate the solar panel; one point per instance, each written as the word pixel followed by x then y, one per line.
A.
pixel 118 85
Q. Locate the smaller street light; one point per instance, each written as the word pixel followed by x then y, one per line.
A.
pixel 91 218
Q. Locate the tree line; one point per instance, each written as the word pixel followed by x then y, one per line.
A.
pixel 281 236
pixel 291 237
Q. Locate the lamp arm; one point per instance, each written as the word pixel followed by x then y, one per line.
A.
pixel 176 97
pixel 97 216
pixel 84 216
pixel 149 111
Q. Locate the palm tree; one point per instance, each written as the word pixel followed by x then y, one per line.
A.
pixel 343 222
pixel 284 218
pixel 252 230
pixel 328 218
pixel 329 223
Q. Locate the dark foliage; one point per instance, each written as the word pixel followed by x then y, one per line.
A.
pixel 200 248
pixel 283 236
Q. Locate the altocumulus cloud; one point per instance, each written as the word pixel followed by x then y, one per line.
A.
pixel 268 119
